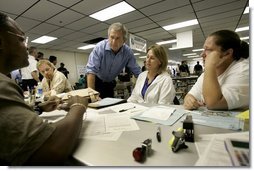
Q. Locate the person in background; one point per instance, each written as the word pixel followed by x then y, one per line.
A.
pixel 224 84
pixel 184 69
pixel 178 70
pixel 54 82
pixel 63 70
pixel 125 75
pixel 53 59
pixel 82 81
pixel 154 86
pixel 198 69
pixel 26 139
pixel 40 56
pixel 29 74
pixel 108 59
pixel 144 66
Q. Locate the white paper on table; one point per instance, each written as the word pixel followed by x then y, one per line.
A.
pixel 202 143
pixel 159 112
pixel 54 113
pixel 108 136
pixel 116 123
pixel 96 129
pixel 215 153
pixel 53 116
pixel 106 111
pixel 131 109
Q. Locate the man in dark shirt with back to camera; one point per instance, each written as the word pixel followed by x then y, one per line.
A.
pixel 63 70
pixel 198 69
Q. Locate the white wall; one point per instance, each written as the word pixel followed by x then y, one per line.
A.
pixel 70 59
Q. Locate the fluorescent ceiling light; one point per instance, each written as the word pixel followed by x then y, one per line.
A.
pixel 86 47
pixel 194 56
pixel 113 11
pixel 242 29
pixel 175 48
pixel 167 42
pixel 246 11
pixel 189 54
pixel 181 24
pixel 197 50
pixel 172 61
pixel 44 39
pixel 244 38
pixel 141 57
pixel 194 59
pixel 136 54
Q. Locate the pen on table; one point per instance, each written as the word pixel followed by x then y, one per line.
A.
pixel 158 134
pixel 123 110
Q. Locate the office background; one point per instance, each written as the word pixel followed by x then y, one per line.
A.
pixel 71 23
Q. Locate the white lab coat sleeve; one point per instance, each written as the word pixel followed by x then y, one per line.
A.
pixel 136 96
pixel 167 92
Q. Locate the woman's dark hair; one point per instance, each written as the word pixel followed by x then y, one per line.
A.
pixel 3 21
pixel 244 52
pixel 227 39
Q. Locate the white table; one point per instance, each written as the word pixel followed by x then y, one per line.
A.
pixel 119 153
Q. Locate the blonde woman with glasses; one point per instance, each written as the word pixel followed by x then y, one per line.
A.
pixel 54 82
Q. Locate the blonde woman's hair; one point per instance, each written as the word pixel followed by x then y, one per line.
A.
pixel 45 61
pixel 161 54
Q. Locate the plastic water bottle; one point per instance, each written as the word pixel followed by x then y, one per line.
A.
pixel 39 90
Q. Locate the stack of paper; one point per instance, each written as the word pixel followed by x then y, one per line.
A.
pixel 161 114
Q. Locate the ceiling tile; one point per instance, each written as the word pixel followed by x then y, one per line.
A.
pixel 82 23
pixel 65 17
pixel 88 7
pixel 43 10
pixel 10 6
pixel 61 32
pixel 27 24
pixel 66 3
pixel 44 28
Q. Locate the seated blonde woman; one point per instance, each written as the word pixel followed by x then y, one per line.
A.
pixel 154 86
pixel 53 82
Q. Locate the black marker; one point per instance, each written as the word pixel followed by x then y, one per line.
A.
pixel 123 110
pixel 158 134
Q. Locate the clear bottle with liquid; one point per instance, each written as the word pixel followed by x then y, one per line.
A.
pixel 39 92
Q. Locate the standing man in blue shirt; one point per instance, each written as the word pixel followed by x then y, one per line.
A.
pixel 108 59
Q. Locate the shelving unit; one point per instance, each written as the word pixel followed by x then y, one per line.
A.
pixel 183 86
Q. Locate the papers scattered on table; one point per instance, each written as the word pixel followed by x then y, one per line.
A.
pixel 218 119
pixel 127 109
pixel 53 116
pixel 116 123
pixel 161 114
pixel 212 151
pixel 108 127
pixel 103 124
